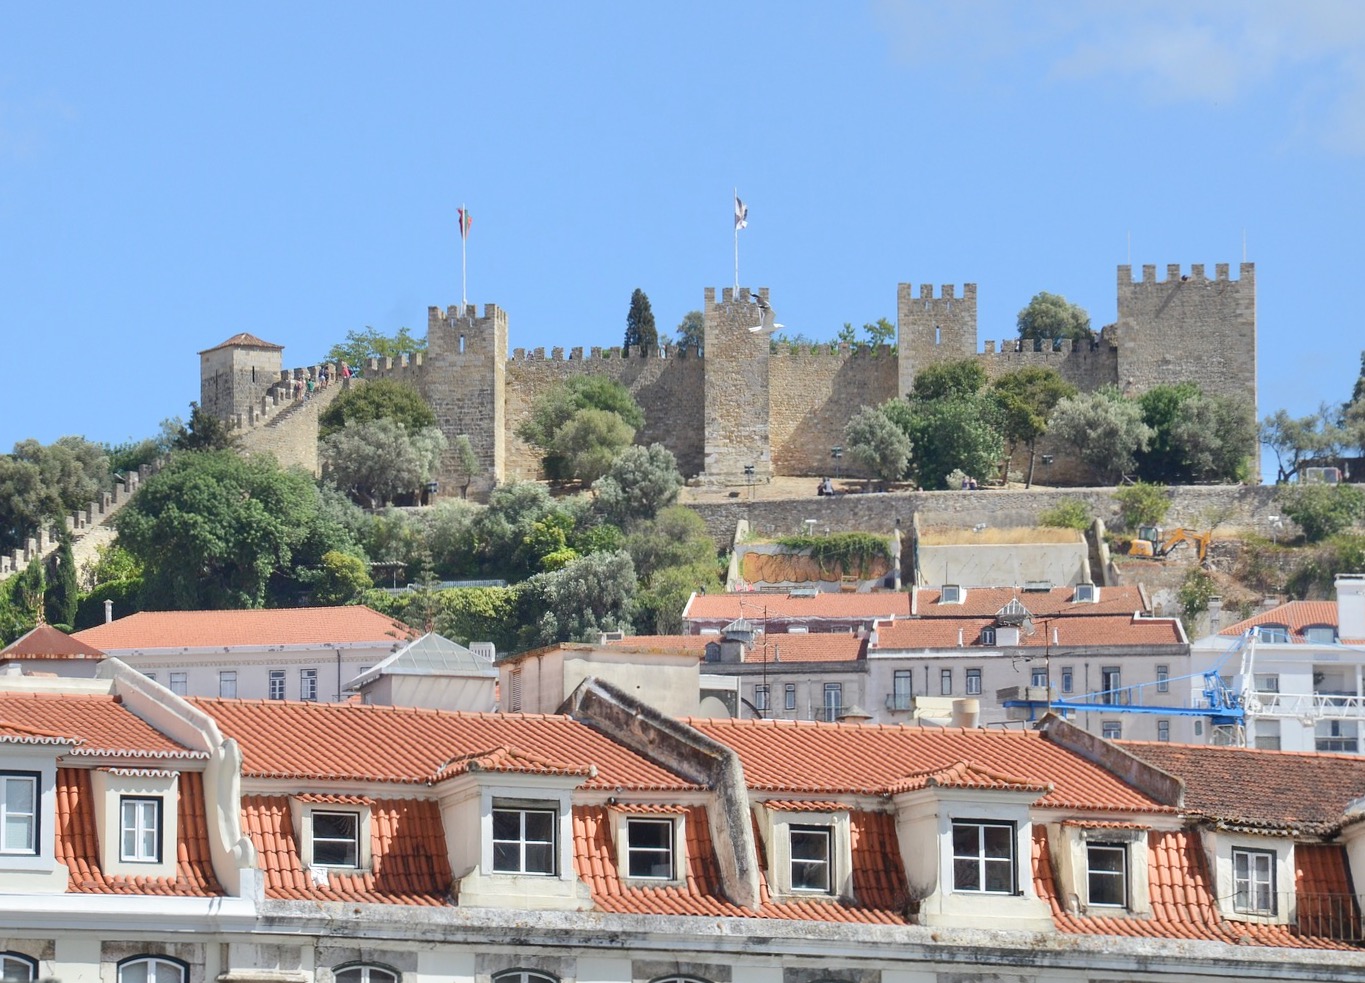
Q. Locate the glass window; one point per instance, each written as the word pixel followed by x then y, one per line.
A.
pixel 1109 684
pixel 151 969
pixel 523 976
pixel 983 857
pixel 1163 730
pixel 945 682
pixel 987 636
pixel 1253 881
pixel 141 830
pixel 649 848
pixel 1038 677
pixel 1267 682
pixel 336 839
pixel 1273 634
pixel 973 682
pixel 180 684
pixel 1108 874
pixel 789 696
pixel 308 684
pixel 810 853
pixel 19 812
pixel 761 697
pixel 1320 635
pixel 227 684
pixel 524 841
pixel 1068 680
pixel 149 675
pixel 277 684
pixel 15 967
pixel 1267 735
pixel 365 974
pixel 834 701
pixel 1163 679
pixel 514 690
pixel 1111 730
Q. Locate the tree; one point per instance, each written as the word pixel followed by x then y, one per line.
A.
pixel 39 484
pixel 676 537
pixel 361 346
pixel 553 412
pixel 341 579
pixel 1052 317
pixel 947 434
pixel 212 528
pixel 1070 513
pixel 591 595
pixel 1323 510
pixel 203 432
pixel 1105 428
pixel 877 444
pixel 377 461
pixel 1027 398
pixel 1358 393
pixel 1298 441
pixel 1214 437
pixel 62 591
pixel 1142 504
pixel 692 330
pixel 880 332
pixel 659 604
pixel 500 531
pixel 640 330
pixel 380 399
pixel 637 484
pixel 957 377
pixel 466 463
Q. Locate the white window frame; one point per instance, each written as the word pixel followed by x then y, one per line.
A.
pixel 365 973
pixel 789 696
pixel 140 829
pixel 813 834
pixel 1068 679
pixel 354 840
pixel 1111 730
pixel 180 683
pixel 1105 876
pixel 227 684
pixel 832 710
pixel 1163 679
pixel 981 858
pixel 276 684
pixel 1038 677
pixel 31 815
pixel 10 961
pixel 945 682
pixel 1273 634
pixel 308 685
pixel 523 976
pixel 973 681
pixel 762 697
pixel 632 850
pixel 1163 731
pixel 151 966
pixel 1253 888
pixel 521 841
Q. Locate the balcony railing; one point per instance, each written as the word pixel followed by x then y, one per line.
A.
pixel 1328 916
pixel 900 701
pixel 1308 706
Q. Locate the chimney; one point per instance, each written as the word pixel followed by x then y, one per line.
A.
pixel 1351 606
pixel 108 610
pixel 1215 613
pixel 966 713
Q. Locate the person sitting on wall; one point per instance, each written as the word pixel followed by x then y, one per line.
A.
pixel 826 487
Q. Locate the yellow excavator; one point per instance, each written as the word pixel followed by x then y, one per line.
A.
pixel 1155 543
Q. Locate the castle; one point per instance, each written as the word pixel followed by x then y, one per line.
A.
pixel 739 409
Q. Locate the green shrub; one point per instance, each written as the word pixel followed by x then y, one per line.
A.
pixel 1069 514
pixel 1323 510
pixel 1142 504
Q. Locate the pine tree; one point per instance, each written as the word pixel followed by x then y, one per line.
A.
pixel 62 592
pixel 640 329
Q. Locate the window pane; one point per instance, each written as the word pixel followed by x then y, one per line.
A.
pixel 167 972
pixel 998 842
pixel 999 876
pixel 810 859
pixel 134 972
pixel 650 848
pixel 1108 875
pixel 540 858
pixel 540 826
pixel 966 841
pixel 506 824
pixel 966 875
pixel 15 970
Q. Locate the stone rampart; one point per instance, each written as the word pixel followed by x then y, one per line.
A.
pixel 814 390
pixel 1196 507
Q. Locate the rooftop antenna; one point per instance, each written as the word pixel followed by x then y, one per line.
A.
pixel 1244 244
pixel 1130 247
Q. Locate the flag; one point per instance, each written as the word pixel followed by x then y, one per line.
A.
pixel 741 214
pixel 464 223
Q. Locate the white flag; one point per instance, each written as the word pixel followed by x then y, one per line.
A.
pixel 741 214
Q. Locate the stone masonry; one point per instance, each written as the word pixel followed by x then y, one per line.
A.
pixel 741 401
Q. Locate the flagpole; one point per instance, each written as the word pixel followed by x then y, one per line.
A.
pixel 736 248
pixel 464 270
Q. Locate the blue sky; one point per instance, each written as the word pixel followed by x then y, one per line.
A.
pixel 171 174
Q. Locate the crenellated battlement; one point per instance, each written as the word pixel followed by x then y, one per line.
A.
pixel 603 353
pixel 833 349
pixel 1246 274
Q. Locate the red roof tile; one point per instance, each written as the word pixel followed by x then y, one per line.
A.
pixel 347 741
pixel 407 843
pixel 243 339
pixel 774 647
pixel 1119 629
pixel 1272 789
pixel 819 758
pixel 77 844
pixel 353 624
pixel 1058 602
pixel 1296 616
pixel 46 642
pixel 509 759
pixel 825 605
pixel 102 723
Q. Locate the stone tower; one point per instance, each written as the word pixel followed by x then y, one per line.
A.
pixel 933 329
pixel 464 379
pixel 236 375
pixel 736 389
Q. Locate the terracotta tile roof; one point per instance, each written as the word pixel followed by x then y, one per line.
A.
pixel 77 844
pixel 1183 898
pixel 46 642
pixel 1059 602
pixel 805 805
pixel 12 733
pixel 407 843
pixel 101 722
pixel 826 605
pixel 509 759
pixel 966 774
pixel 1296 616
pixel 770 647
pixel 1117 629
pixel 348 741
pixel 879 887
pixel 1260 789
pixel 817 758
pixel 355 624
pixel 243 339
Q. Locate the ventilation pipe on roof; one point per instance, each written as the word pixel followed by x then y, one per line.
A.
pixel 966 713
pixel 959 638
pixel 1054 635
pixel 108 610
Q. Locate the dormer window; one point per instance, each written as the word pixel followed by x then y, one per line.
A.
pixel 1087 594
pixel 19 813
pixel 523 840
pixel 140 830
pixel 951 594
pixel 15 967
pixel 987 636
pixel 811 854
pixel 335 839
pixel 1107 874
pixel 1253 881
pixel 1320 635
pixel 649 849
pixel 1273 634
pixel 983 856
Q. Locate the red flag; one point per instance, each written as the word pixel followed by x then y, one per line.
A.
pixel 464 224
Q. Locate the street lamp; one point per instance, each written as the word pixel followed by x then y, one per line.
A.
pixel 836 453
pixel 749 477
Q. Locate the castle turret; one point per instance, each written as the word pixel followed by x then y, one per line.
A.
pixel 235 375
pixel 736 388
pixel 933 329
pixel 464 378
